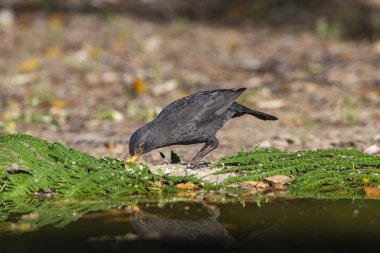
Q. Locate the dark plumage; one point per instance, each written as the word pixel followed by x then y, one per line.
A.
pixel 192 119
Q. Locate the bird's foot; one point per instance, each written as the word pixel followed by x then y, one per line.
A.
pixel 197 165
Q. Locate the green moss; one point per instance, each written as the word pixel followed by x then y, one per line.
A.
pixel 315 173
pixel 29 165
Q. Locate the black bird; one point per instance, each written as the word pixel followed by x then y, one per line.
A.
pixel 192 119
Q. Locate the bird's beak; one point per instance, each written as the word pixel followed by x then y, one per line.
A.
pixel 133 158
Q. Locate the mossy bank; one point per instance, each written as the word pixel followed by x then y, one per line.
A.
pixel 32 167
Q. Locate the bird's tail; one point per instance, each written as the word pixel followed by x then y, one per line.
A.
pixel 241 110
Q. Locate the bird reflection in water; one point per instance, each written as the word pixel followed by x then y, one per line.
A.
pixel 185 228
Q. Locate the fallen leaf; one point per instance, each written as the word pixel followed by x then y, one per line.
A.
pixel 365 180
pixel 29 65
pixel 371 192
pixel 110 145
pixel 59 102
pixel 139 86
pixel 187 186
pixel 278 182
pixel 278 179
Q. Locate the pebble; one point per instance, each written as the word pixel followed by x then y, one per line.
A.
pixel 372 150
pixel 206 173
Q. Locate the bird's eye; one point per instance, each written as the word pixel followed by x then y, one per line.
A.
pixel 141 145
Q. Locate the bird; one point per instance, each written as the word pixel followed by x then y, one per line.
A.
pixel 192 119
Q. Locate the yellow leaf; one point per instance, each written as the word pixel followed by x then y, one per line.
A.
pixel 139 86
pixel 110 145
pixel 59 102
pixel 29 65
pixel 187 186
pixel 365 180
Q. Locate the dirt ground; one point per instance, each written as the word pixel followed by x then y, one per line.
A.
pixel 76 77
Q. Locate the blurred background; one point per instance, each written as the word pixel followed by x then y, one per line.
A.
pixel 87 73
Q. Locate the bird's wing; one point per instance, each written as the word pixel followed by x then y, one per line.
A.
pixel 201 107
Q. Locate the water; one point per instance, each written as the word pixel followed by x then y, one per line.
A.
pixel 300 225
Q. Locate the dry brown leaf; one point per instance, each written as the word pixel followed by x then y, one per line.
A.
pixel 278 182
pixel 29 65
pixel 372 192
pixel 278 179
pixel 110 145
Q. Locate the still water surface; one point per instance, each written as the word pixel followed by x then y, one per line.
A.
pixel 278 226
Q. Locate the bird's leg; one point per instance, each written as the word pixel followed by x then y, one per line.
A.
pixel 207 148
pixel 199 155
